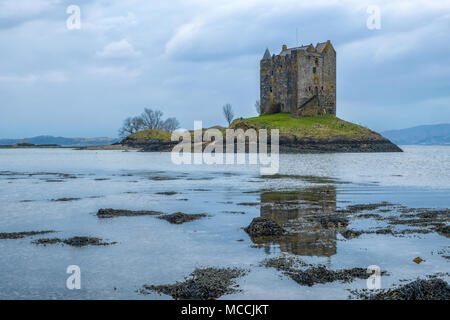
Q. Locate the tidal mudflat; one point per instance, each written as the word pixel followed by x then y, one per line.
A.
pixel 309 232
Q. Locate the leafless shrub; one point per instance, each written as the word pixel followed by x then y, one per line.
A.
pixel 131 125
pixel 149 119
pixel 228 113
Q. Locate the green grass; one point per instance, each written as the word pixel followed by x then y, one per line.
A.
pixel 319 128
pixel 151 134
pixel 322 127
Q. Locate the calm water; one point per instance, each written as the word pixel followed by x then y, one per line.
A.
pixel 152 251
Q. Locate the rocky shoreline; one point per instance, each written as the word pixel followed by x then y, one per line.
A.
pixel 337 145
pixel 287 144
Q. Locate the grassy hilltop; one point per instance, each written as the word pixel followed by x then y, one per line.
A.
pixel 150 134
pixel 319 128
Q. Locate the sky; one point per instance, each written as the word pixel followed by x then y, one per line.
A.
pixel 188 58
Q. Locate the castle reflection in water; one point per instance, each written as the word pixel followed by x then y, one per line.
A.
pixel 303 214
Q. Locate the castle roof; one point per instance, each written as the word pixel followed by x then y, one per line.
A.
pixel 320 46
pixel 266 54
pixel 308 48
pixel 289 50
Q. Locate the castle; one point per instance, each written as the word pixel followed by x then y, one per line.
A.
pixel 301 81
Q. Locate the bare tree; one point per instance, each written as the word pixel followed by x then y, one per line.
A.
pixel 152 119
pixel 149 119
pixel 171 124
pixel 131 125
pixel 137 123
pixel 258 107
pixel 228 113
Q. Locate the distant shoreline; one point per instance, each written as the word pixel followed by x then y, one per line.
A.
pixel 107 147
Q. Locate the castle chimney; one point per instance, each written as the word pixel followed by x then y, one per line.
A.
pixel 284 47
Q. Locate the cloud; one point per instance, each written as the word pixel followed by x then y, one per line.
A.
pixel 14 13
pixel 120 72
pixel 29 78
pixel 49 77
pixel 394 44
pixel 97 21
pixel 25 8
pixel 119 49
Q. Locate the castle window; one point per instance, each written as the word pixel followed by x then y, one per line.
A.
pixel 314 70
pixel 270 89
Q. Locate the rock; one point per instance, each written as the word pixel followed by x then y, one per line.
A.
pixel 314 274
pixel 179 217
pixel 264 227
pixel 284 263
pixel 74 241
pixel 384 231
pixel 444 230
pixel 418 260
pixel 167 193
pixel 434 289
pixel 19 235
pixel 320 274
pixel 111 213
pixel 249 204
pixel 333 222
pixel 365 207
pixel 65 199
pixel 204 284
pixel 349 234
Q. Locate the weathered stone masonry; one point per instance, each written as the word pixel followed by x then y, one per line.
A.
pixel 299 80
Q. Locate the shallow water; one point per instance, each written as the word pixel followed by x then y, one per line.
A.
pixel 152 251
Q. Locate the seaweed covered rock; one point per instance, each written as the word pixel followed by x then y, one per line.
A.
pixel 433 289
pixel 20 235
pixel 204 284
pixel 264 227
pixel 443 230
pixel 314 274
pixel 179 217
pixel 320 274
pixel 74 241
pixel 349 234
pixel 333 222
pixel 111 213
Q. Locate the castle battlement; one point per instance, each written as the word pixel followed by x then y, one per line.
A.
pixel 300 80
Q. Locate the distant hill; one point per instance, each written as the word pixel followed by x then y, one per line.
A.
pixel 69 142
pixel 438 134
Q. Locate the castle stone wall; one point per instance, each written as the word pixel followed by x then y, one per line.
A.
pixel 289 81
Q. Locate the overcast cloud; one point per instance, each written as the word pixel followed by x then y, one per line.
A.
pixel 188 58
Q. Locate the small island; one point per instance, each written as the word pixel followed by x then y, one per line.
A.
pixel 318 134
pixel 297 97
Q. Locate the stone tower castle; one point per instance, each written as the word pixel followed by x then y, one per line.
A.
pixel 301 81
